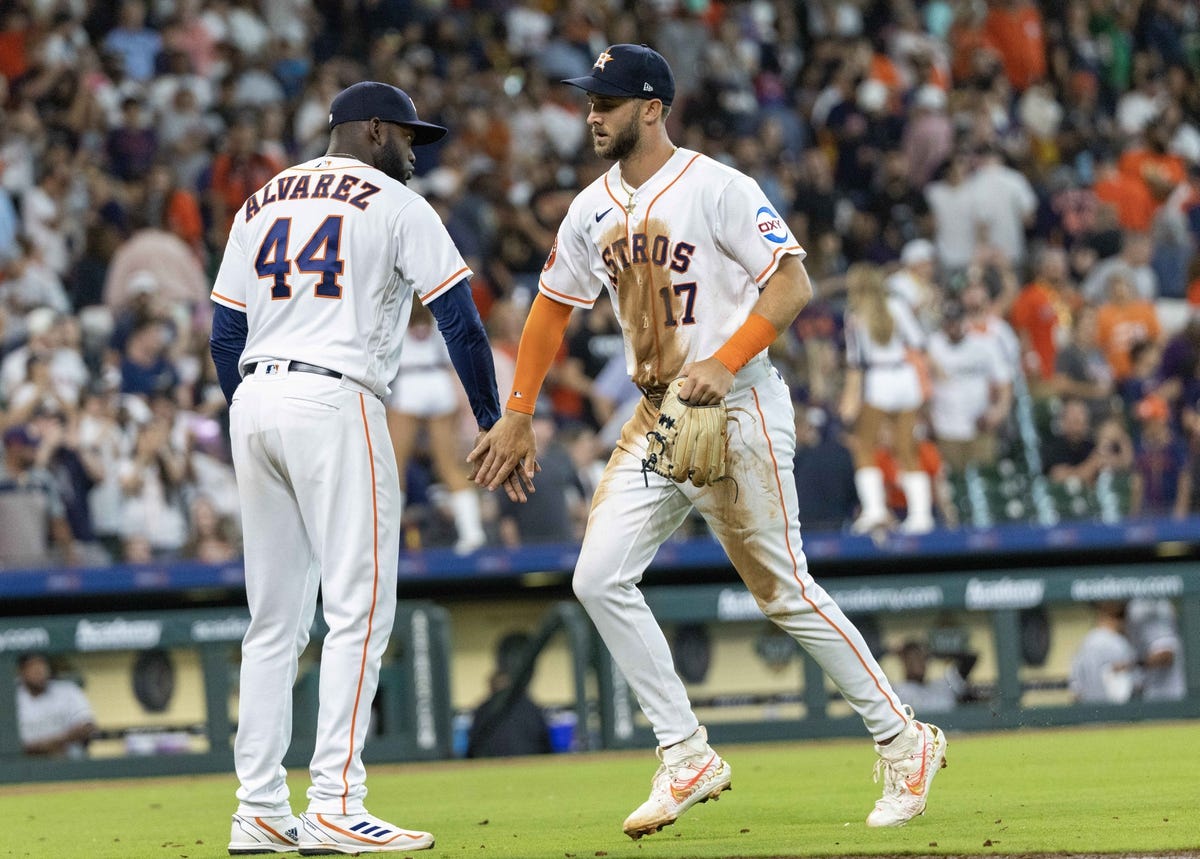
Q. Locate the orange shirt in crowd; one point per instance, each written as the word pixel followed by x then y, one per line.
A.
pixel 1017 35
pixel 14 53
pixel 1129 196
pixel 184 219
pixel 1159 172
pixel 1119 327
pixel 234 180
pixel 1038 312
pixel 1193 294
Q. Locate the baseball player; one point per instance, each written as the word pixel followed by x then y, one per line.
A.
pixel 312 299
pixel 703 275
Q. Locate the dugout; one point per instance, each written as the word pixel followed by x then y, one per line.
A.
pixel 745 685
pixel 192 731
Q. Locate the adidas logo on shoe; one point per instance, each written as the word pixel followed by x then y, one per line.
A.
pixel 351 834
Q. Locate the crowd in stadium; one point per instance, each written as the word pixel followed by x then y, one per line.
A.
pixel 1022 178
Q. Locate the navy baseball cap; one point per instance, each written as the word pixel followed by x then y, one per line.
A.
pixel 629 71
pixel 370 99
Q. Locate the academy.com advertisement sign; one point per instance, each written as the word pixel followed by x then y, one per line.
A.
pixel 951 591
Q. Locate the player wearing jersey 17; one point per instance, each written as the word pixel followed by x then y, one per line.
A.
pixel 312 300
pixel 703 275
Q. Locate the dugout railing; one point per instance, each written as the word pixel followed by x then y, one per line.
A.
pixel 411 719
pixel 1003 595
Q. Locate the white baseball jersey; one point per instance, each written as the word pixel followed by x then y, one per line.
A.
pixel 684 257
pixel 325 260
pixel 963 375
pixel 61 707
pixel 310 231
pixel 683 268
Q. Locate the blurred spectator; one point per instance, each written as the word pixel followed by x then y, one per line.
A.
pixel 1132 264
pixel 1013 28
pixel 153 517
pixel 1104 670
pixel 508 722
pixel 971 391
pixel 1042 311
pixel 1159 459
pixel 1074 452
pixel 883 389
pixel 824 472
pixel 103 442
pixel 1004 205
pixel 155 261
pixel 133 145
pixel 932 696
pixel 214 538
pixel 979 305
pixel 137 44
pixel 915 281
pixel 74 473
pixel 1124 320
pixel 54 717
pixel 237 172
pixel 928 136
pixel 146 367
pixel 1143 380
pixel 1153 629
pixel 1081 371
pixel 955 224
pixel 35 515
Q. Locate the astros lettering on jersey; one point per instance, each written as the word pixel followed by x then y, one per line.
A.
pixel 297 231
pixel 649 251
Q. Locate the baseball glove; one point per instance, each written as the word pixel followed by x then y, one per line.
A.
pixel 688 442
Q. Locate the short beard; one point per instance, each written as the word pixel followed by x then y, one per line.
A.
pixel 392 162
pixel 622 144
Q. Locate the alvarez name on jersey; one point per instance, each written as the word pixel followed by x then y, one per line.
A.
pixel 310 250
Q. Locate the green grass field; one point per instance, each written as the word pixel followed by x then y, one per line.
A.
pixel 1118 790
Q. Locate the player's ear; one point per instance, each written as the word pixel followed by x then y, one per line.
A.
pixel 375 131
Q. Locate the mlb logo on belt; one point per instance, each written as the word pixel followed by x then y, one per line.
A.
pixel 272 368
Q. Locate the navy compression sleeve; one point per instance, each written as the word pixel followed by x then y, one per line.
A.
pixel 227 343
pixel 458 321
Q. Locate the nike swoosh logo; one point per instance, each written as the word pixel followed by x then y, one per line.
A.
pixel 680 789
pixel 916 783
pixel 600 216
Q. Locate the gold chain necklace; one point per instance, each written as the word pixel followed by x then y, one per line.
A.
pixel 629 192
pixel 629 205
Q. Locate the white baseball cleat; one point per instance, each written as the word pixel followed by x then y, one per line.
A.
pixel 908 765
pixel 250 835
pixel 690 772
pixel 351 834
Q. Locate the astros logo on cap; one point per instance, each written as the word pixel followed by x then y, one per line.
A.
pixel 602 60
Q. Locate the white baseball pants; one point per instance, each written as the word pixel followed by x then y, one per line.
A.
pixel 320 505
pixel 760 532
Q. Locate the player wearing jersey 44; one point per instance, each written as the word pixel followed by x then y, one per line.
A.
pixel 313 296
pixel 703 275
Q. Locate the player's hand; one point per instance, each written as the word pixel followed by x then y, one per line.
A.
pixel 507 455
pixel 705 382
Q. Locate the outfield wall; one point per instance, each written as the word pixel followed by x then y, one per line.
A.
pixel 441 655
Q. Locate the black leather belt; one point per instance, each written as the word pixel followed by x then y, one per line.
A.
pixel 299 367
